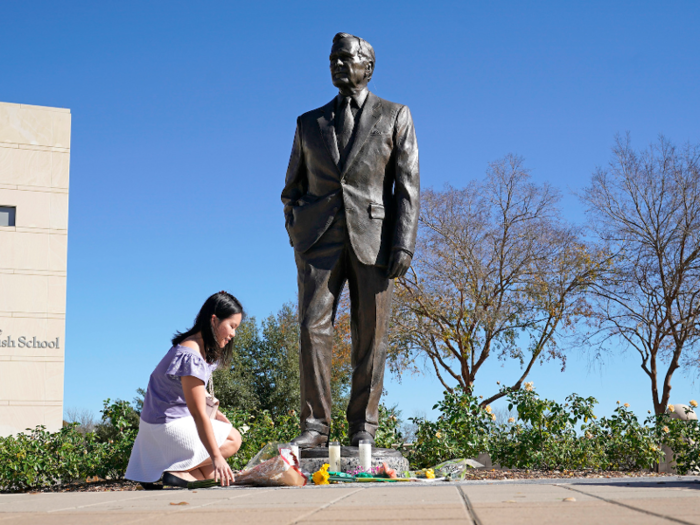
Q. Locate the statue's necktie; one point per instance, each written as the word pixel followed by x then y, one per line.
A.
pixel 346 123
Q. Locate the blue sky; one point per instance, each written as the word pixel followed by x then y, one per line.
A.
pixel 183 118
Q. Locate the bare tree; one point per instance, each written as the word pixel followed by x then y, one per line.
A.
pixel 496 273
pixel 505 416
pixel 645 208
pixel 84 417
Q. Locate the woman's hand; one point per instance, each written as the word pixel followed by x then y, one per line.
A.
pixel 222 471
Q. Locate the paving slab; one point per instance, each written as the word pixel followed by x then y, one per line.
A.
pixel 517 493
pixel 393 495
pixel 638 490
pixel 677 501
pixel 541 502
pixel 563 513
pixel 682 509
pixel 54 502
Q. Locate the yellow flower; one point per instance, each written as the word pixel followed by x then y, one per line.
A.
pixel 488 408
pixel 430 474
pixel 671 408
pixel 618 402
pixel 693 403
pixel 529 386
pixel 493 417
pixel 438 435
pixel 320 477
pixel 511 420
pixel 665 429
pixel 626 405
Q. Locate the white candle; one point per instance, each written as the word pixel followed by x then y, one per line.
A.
pixel 334 456
pixel 365 454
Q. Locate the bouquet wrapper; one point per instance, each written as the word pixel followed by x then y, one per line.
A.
pixel 280 471
pixel 269 451
pixel 454 469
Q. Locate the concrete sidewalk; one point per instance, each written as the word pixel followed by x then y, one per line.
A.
pixel 638 501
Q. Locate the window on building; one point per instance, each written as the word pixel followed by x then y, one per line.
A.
pixel 7 216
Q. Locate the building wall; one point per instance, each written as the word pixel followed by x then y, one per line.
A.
pixel 34 174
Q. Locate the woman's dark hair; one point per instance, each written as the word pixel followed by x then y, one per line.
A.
pixel 223 305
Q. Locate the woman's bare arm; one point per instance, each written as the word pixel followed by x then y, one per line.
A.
pixel 221 417
pixel 195 397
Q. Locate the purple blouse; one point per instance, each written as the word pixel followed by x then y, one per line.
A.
pixel 164 400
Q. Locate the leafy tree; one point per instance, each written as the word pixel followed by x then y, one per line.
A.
pixel 117 417
pixel 234 385
pixel 137 402
pixel 275 359
pixel 264 373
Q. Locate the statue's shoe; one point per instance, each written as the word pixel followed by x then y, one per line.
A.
pixel 310 439
pixel 359 436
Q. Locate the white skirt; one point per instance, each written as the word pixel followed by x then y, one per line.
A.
pixel 172 446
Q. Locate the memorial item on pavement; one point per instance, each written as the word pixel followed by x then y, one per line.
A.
pixel 271 467
pixel 277 465
pixel 280 471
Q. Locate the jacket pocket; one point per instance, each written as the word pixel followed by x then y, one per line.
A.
pixel 376 211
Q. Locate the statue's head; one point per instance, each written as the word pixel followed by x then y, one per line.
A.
pixel 352 62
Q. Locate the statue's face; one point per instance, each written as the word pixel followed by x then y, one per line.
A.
pixel 348 70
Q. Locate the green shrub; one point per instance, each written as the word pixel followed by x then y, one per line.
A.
pixel 683 437
pixel 388 433
pixel 545 435
pixel 41 459
pixel 261 429
pixel 461 431
pixel 627 444
pixel 116 433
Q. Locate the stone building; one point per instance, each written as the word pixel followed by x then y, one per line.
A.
pixel 34 173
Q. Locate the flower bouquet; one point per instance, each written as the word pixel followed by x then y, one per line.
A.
pixel 279 471
pixel 382 473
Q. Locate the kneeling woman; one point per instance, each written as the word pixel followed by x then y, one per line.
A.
pixel 178 441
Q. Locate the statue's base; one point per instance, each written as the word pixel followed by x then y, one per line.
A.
pixel 312 459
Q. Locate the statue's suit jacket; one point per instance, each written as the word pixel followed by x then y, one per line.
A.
pixel 377 184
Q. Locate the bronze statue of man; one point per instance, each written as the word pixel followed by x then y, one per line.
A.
pixel 351 203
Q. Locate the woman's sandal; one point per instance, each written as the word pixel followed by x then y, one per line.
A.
pixel 171 480
pixel 151 486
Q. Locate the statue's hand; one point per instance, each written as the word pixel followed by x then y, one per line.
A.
pixel 399 263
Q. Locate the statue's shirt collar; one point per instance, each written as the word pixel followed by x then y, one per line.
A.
pixel 359 98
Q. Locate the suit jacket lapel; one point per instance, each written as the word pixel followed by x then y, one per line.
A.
pixel 371 113
pixel 325 124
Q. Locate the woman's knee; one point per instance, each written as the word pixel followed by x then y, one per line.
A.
pixel 232 443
